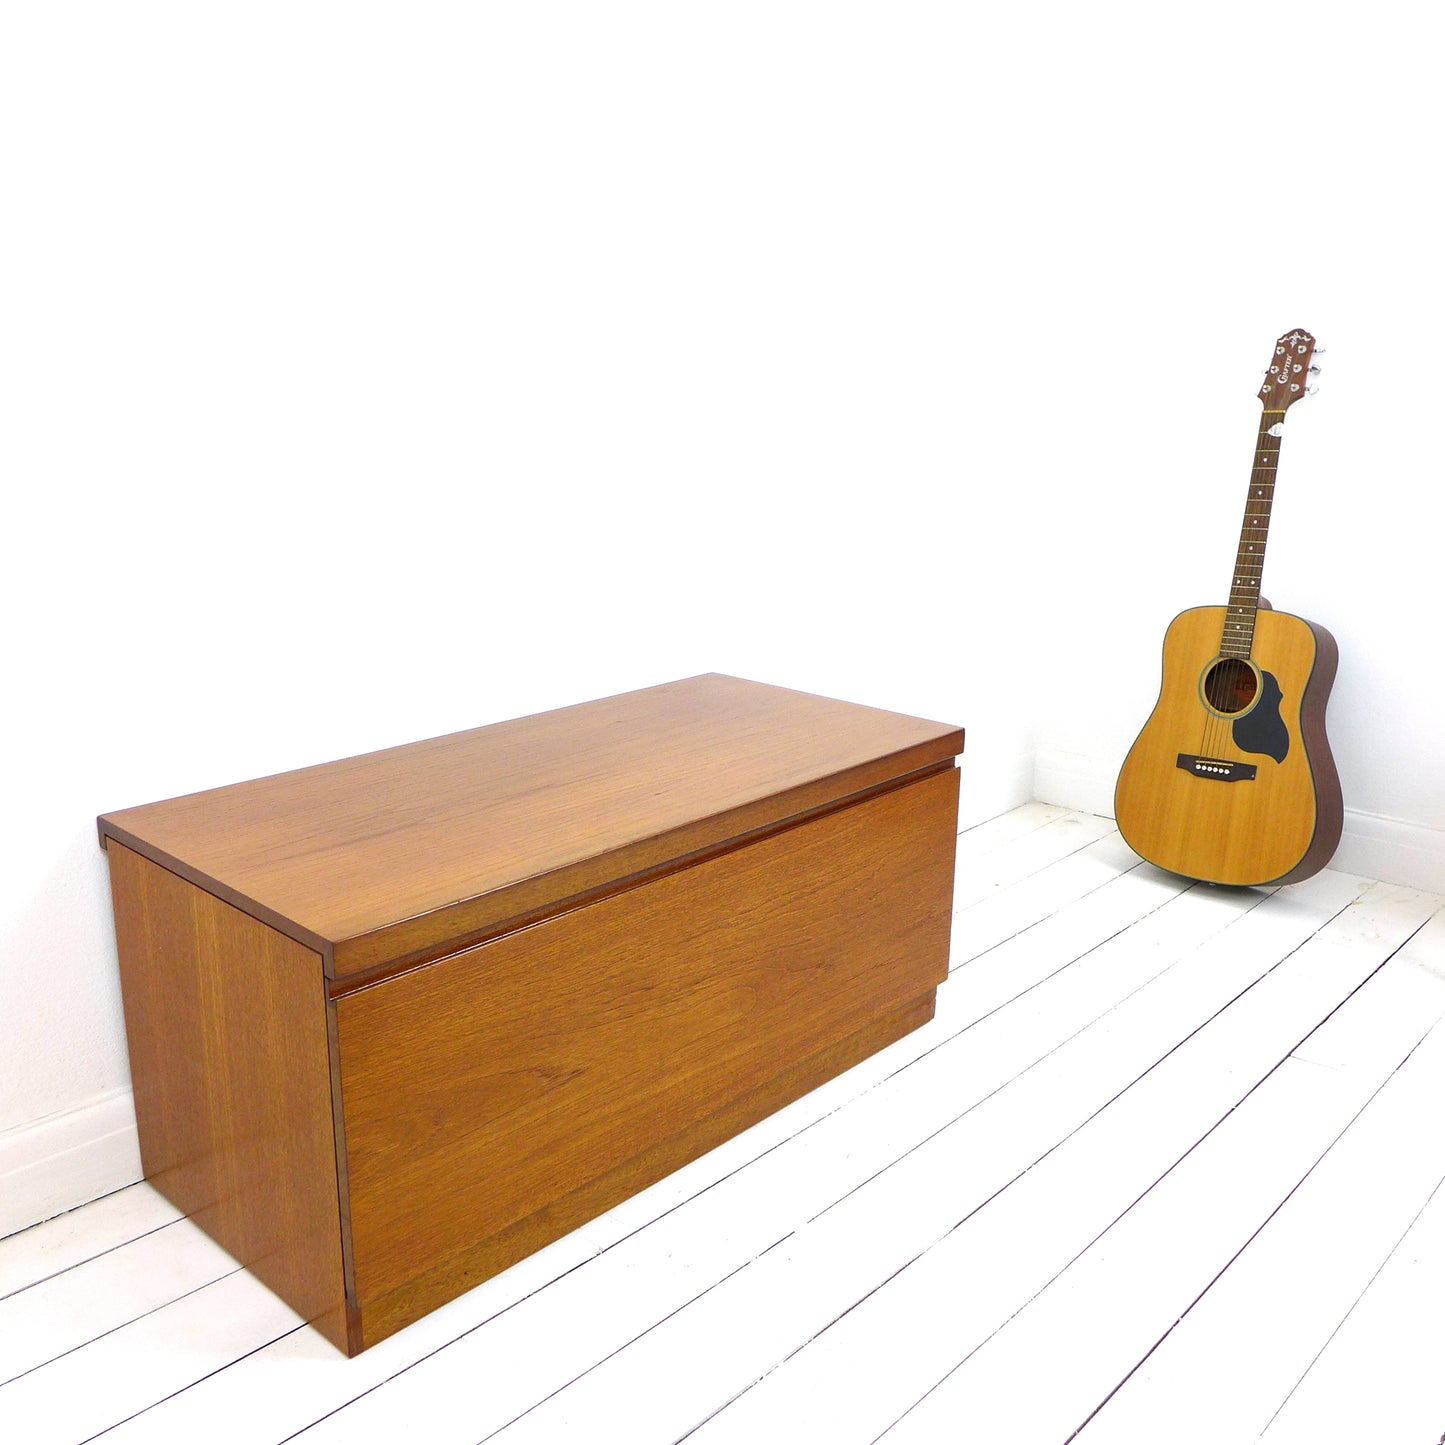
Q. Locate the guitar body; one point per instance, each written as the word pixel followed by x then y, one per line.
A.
pixel 1236 784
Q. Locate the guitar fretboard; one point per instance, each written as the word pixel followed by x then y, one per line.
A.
pixel 1243 606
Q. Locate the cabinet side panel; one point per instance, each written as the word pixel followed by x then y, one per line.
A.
pixel 227 1030
pixel 495 1084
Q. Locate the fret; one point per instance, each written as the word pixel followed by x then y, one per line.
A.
pixel 1284 383
pixel 1243 608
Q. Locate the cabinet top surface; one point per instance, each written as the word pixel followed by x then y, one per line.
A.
pixel 400 851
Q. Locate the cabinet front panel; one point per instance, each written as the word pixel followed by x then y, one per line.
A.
pixel 482 1088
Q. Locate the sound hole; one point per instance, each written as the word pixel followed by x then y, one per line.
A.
pixel 1230 685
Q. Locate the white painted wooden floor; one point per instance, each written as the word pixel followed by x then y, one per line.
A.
pixel 1166 1167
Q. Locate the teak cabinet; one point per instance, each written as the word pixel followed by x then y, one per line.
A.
pixel 397 1021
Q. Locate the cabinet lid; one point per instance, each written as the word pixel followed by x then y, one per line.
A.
pixel 410 852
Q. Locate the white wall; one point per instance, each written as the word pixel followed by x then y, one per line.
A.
pixel 374 371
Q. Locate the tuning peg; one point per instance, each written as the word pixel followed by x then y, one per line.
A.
pixel 1316 370
pixel 1319 351
pixel 1311 390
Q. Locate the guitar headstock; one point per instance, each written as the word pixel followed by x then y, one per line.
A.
pixel 1289 372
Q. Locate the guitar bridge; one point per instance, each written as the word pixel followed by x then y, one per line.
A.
pixel 1221 770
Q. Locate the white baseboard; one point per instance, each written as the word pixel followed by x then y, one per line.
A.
pixel 66 1160
pixel 1371 845
pixel 1392 850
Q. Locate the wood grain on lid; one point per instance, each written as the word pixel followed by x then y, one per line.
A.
pixel 407 850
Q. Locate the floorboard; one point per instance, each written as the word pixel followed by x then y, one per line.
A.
pixel 1292 1288
pixel 1165 1165
pixel 64 1242
pixel 1112 1305
pixel 1378 1376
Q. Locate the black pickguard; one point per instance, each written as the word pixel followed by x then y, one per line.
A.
pixel 1261 729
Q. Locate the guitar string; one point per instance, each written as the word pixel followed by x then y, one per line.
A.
pixel 1224 672
pixel 1256 520
pixel 1218 730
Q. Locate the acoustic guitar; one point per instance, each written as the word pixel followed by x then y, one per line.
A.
pixel 1231 780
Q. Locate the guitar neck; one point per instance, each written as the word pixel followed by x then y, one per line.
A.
pixel 1284 383
pixel 1243 606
